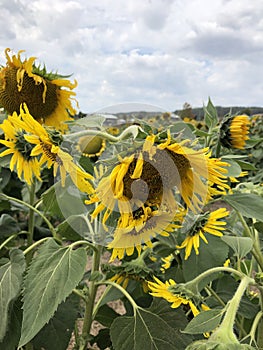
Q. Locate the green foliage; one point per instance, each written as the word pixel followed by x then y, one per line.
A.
pixel 10 286
pixel 56 277
pixel 51 277
pixel 148 329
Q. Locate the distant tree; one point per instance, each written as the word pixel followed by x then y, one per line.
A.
pixel 187 111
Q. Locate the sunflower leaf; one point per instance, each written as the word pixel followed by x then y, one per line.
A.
pixel 10 285
pixel 248 204
pixel 56 334
pixel 51 277
pixel 146 330
pixel 241 245
pixel 211 118
pixel 204 322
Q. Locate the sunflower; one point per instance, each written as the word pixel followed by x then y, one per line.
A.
pixel 138 228
pixel 234 132
pixel 26 166
pixel 22 82
pixel 164 290
pixel 91 146
pixel 42 148
pixel 207 223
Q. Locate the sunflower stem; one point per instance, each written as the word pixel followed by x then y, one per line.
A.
pixel 256 251
pixel 31 221
pixel 131 130
pixel 225 332
pixel 195 282
pixel 124 292
pixel 13 199
pixel 90 303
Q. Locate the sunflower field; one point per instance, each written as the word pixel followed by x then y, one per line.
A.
pixel 141 235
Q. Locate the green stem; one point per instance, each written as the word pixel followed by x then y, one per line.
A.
pixel 124 292
pixel 96 307
pixel 50 226
pixel 213 270
pixel 34 245
pixel 87 321
pixel 31 220
pixel 8 240
pixel 225 333
pixel 218 148
pixel 131 130
pixel 260 324
pixel 90 245
pixel 256 251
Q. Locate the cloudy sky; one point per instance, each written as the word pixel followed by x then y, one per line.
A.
pixel 157 52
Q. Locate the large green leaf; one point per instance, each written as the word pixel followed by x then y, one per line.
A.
pixel 204 322
pixel 10 285
pixel 57 333
pixel 248 204
pixel 12 336
pixel 241 245
pixel 210 255
pixel 147 331
pixel 51 277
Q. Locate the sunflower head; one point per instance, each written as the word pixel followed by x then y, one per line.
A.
pixel 234 131
pixel 21 81
pixel 91 146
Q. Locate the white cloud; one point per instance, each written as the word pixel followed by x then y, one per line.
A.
pixel 160 52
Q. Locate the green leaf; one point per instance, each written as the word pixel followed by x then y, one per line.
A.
pixel 12 336
pixel 248 204
pixel 57 333
pixel 51 277
pixel 91 121
pixel 211 118
pixel 8 225
pixel 246 165
pixel 241 245
pixel 10 285
pixel 204 322
pixel 234 169
pixel 106 315
pixel 146 330
pixel 210 255
pixel 63 201
pixel 74 228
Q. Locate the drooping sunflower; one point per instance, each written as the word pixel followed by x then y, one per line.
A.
pixel 164 290
pixel 140 188
pixel 206 223
pixel 234 131
pixel 91 146
pixel 138 229
pixel 42 146
pixel 26 166
pixel 48 96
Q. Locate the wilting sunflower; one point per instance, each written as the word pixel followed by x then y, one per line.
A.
pixel 164 290
pixel 206 223
pixel 42 147
pixel 21 81
pixel 26 166
pixel 140 189
pixel 138 229
pixel 234 132
pixel 91 146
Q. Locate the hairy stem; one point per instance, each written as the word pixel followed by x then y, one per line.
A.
pixel 90 303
